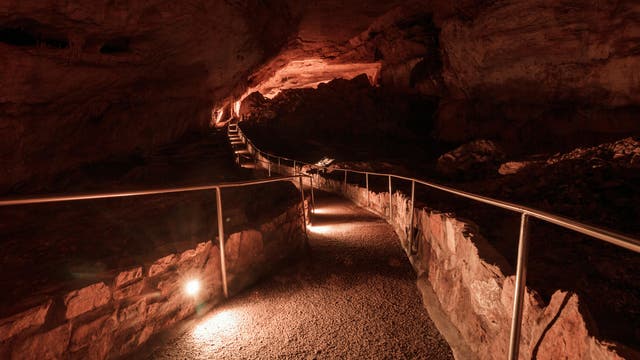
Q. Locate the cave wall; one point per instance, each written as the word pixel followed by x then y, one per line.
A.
pixel 533 74
pixel 83 80
pixel 524 72
pixel 557 68
pixel 79 81
pixel 539 51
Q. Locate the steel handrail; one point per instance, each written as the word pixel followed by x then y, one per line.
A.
pixel 596 232
pixel 217 187
pixel 609 236
pixel 111 195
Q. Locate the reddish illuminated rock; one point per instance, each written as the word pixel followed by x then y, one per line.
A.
pixel 132 313
pixel 85 335
pixel 194 258
pixel 86 299
pixel 477 158
pixel 109 78
pixel 128 284
pixel 169 285
pixel 49 345
pixel 244 249
pixel 127 277
pixel 568 332
pixel 145 334
pixel 128 291
pixel 212 274
pixel 512 167
pixel 162 265
pixel 29 319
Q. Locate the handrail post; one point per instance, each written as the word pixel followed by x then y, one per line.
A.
pixel 223 266
pixel 390 201
pixel 304 213
pixel 279 169
pixel 269 164
pixel 294 167
pixel 413 198
pixel 345 182
pixel 520 286
pixel 367 181
pixel 313 199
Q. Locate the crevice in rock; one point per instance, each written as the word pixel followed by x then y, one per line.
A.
pixel 117 45
pixel 31 33
pixel 536 348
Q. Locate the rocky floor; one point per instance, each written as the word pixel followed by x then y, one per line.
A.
pixel 353 297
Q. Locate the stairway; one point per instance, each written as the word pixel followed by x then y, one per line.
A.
pixel 243 156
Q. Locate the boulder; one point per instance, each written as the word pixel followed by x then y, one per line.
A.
pixel 29 319
pixel 129 291
pixel 244 250
pixel 86 299
pixel 86 333
pixel 471 160
pixel 48 345
pixel 162 265
pixel 512 167
pixel 127 277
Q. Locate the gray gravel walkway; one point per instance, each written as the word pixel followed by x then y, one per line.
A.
pixel 353 297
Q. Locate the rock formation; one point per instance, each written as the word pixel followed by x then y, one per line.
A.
pixel 81 81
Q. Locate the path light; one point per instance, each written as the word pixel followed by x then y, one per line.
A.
pixel 192 287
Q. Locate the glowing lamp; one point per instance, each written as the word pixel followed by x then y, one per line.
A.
pixel 192 287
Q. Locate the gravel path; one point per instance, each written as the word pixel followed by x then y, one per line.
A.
pixel 353 297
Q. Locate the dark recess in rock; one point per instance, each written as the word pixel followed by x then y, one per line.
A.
pixel 32 33
pixel 116 45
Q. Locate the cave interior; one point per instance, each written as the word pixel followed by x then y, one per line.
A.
pixel 534 102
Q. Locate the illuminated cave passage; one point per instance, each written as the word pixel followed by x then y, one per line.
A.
pixel 118 119
pixel 352 295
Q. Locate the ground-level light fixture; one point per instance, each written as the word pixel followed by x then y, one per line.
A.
pixel 192 287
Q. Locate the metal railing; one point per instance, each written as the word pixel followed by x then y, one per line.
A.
pixel 217 187
pixel 608 236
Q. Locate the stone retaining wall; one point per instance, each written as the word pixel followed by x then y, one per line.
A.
pixel 468 278
pixel 113 317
